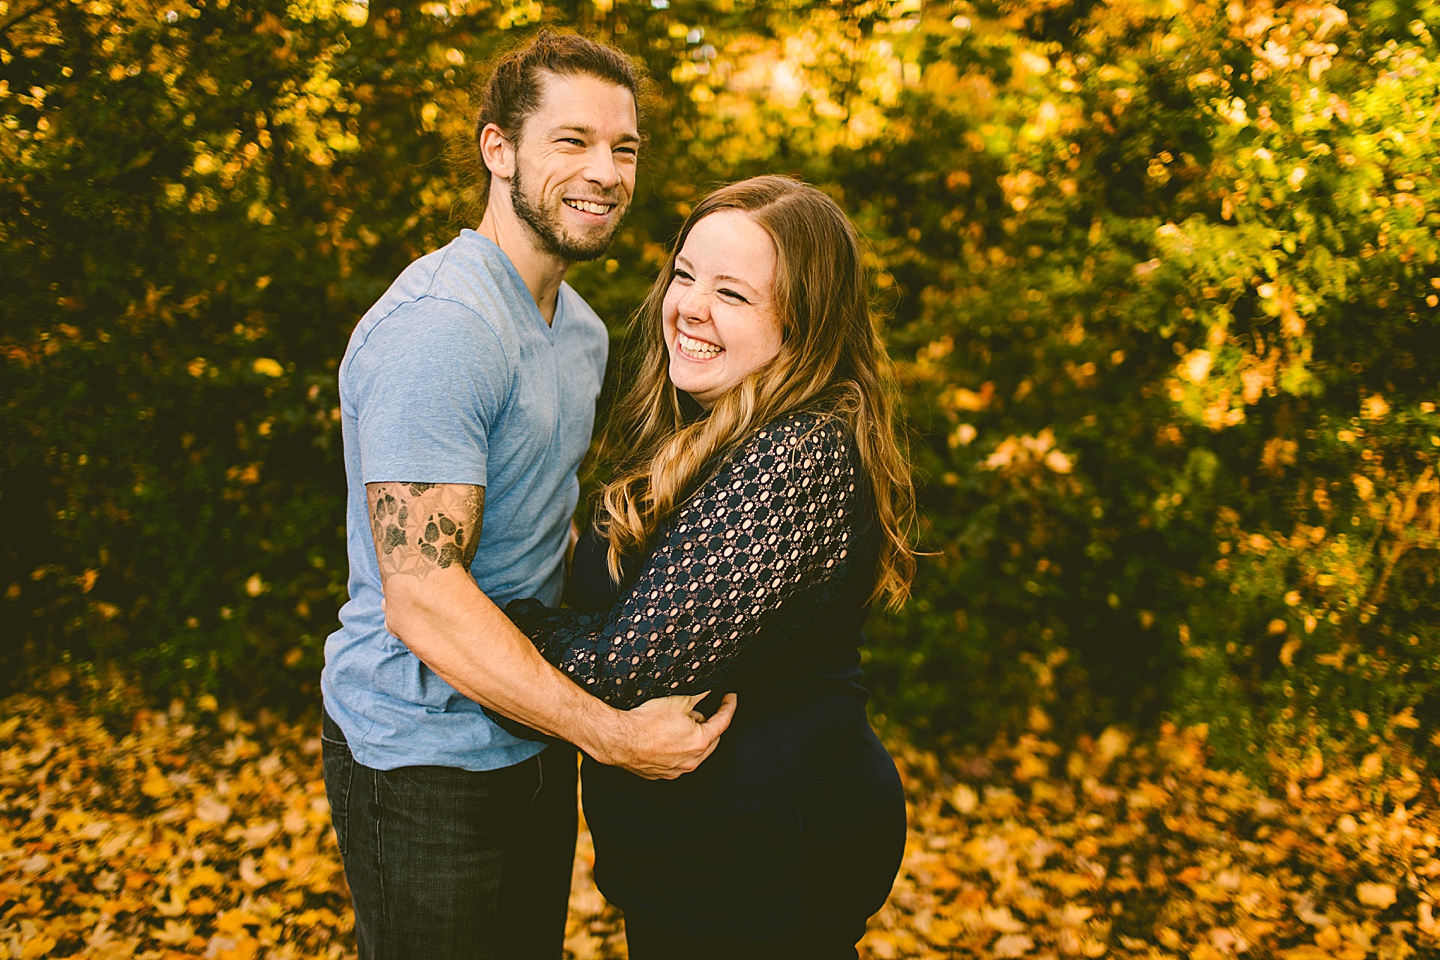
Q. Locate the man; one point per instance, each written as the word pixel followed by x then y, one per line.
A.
pixel 467 394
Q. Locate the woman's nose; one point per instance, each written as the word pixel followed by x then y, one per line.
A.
pixel 695 305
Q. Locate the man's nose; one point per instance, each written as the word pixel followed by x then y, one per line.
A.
pixel 601 169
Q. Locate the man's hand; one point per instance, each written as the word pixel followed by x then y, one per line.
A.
pixel 664 738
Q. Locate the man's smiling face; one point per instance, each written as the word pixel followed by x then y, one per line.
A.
pixel 575 165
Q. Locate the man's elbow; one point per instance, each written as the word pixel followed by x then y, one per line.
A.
pixel 405 609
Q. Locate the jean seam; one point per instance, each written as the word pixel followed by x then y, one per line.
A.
pixel 349 800
pixel 381 914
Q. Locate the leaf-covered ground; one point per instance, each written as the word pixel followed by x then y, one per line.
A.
pixel 199 833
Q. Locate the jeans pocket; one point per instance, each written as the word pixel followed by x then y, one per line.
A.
pixel 339 771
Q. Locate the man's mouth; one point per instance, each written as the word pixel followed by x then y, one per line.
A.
pixel 693 349
pixel 589 206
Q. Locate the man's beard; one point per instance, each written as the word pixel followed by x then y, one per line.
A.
pixel 544 224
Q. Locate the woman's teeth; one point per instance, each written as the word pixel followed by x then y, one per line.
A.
pixel 698 349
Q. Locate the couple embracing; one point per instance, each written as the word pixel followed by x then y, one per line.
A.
pixel 707 663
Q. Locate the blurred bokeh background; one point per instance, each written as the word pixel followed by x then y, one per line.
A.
pixel 1160 278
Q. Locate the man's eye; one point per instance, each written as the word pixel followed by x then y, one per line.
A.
pixel 574 141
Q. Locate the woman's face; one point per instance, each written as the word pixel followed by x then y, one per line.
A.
pixel 719 314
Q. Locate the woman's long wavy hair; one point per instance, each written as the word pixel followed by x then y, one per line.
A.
pixel 831 362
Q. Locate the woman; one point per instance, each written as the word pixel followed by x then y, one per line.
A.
pixel 761 507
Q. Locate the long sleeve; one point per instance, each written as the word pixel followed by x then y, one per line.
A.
pixel 773 524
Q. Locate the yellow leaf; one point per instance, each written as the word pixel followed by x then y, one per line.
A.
pixel 250 874
pixel 211 810
pixel 234 921
pixel 1059 462
pixel 205 875
pixel 39 947
pixel 943 932
pixel 172 907
pixel 175 932
pixel 242 947
pixel 267 367
pixel 1406 718
pixel 1379 895
pixel 1001 919
pixel 1196 365
pixel 1012 945
pixel 1112 743
pixel 155 784
pixel 1069 884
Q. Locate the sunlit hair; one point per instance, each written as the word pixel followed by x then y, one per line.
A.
pixel 831 362
pixel 513 91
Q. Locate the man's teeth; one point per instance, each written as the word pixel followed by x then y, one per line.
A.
pixel 697 347
pixel 589 206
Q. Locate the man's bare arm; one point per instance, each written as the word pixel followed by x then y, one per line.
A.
pixel 425 537
pixel 423 527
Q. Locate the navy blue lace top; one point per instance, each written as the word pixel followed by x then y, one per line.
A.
pixel 770 534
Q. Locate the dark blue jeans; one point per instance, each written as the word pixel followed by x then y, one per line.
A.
pixel 448 864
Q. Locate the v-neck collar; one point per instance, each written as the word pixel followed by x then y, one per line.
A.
pixel 531 308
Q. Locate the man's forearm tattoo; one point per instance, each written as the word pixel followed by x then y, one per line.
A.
pixel 423 527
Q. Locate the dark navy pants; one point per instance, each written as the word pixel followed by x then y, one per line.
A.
pixel 652 940
pixel 448 864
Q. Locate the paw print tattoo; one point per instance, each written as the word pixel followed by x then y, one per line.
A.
pixel 422 527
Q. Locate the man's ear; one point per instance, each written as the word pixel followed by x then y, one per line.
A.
pixel 497 152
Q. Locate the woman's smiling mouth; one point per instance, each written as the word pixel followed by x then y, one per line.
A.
pixel 693 349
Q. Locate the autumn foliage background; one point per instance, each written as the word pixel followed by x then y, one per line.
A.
pixel 1161 281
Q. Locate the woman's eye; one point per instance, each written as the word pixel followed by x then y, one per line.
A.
pixel 732 295
pixel 682 275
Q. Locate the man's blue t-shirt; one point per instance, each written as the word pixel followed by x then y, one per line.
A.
pixel 455 377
